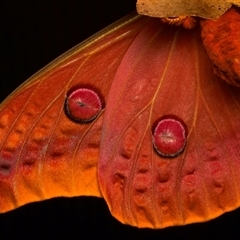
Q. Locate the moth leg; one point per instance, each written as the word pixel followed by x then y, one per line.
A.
pixel 186 21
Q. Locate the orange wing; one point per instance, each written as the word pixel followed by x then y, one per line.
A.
pixel 185 169
pixel 43 152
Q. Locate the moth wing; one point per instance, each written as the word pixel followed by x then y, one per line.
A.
pixel 43 153
pixel 170 77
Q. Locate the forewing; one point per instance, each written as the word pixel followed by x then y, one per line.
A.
pixel 43 153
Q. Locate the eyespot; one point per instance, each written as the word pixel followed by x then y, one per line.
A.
pixel 169 137
pixel 83 105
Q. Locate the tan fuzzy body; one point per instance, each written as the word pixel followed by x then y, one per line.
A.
pixel 209 9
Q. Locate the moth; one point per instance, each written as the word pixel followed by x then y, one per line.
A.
pixel 131 115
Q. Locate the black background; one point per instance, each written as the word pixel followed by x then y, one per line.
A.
pixel 33 33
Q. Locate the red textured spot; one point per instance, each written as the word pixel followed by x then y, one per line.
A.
pixel 169 137
pixel 83 105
